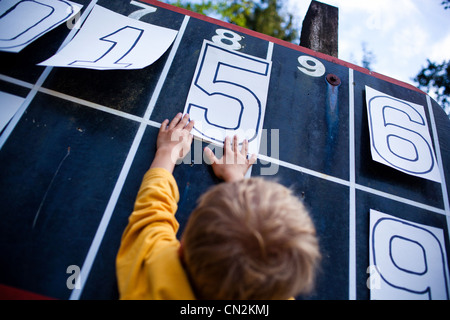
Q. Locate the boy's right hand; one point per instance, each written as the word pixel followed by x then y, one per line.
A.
pixel 173 142
pixel 234 163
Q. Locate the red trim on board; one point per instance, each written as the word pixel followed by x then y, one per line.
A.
pixel 11 293
pixel 282 43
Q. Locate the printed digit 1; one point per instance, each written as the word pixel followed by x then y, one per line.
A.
pixel 122 42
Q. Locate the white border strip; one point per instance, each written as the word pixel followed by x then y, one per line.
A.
pixel 302 169
pixel 438 156
pixel 348 184
pixel 16 81
pixel 269 51
pixel 400 199
pixel 95 245
pixel 83 102
pixel 99 107
pixel 352 191
pixel 437 147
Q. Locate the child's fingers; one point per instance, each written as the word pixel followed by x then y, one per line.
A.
pixel 175 121
pixel 236 147
pixel 183 122
pixel 244 149
pixel 190 126
pixel 252 160
pixel 191 138
pixel 164 125
pixel 236 144
pixel 227 145
pixel 210 155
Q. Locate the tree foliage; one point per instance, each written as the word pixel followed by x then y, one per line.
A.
pixel 436 77
pixel 446 4
pixel 264 16
pixel 368 57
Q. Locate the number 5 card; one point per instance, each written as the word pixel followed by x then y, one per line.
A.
pixel 228 95
pixel 399 135
pixel 109 40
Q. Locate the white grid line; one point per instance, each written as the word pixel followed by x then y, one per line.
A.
pixel 438 156
pixel 352 191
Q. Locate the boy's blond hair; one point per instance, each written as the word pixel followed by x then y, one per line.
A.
pixel 251 239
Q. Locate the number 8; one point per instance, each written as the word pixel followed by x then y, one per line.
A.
pixel 227 39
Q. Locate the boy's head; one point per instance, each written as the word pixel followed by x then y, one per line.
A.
pixel 251 239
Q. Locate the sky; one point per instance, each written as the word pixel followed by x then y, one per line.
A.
pixel 401 34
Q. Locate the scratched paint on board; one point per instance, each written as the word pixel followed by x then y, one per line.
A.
pixel 228 95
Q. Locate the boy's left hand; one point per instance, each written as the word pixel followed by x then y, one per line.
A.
pixel 173 142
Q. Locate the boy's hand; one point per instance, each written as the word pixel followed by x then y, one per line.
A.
pixel 234 163
pixel 173 142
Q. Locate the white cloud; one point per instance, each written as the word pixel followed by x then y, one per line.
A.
pixel 409 41
pixel 440 51
pixel 402 34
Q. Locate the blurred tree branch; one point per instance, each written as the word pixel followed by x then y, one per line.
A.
pixel 264 16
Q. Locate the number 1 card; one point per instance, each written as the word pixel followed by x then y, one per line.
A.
pixel 109 41
pixel 399 135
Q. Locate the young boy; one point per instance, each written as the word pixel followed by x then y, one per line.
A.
pixel 246 239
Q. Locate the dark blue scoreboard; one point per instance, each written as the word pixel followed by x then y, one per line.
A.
pixel 73 157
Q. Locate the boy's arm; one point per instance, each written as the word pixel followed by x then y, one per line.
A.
pixel 152 225
pixel 234 163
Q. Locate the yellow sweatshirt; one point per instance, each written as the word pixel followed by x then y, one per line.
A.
pixel 147 264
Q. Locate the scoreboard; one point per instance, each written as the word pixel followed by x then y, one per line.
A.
pixel 368 155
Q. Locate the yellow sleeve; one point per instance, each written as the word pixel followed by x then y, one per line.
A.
pixel 151 227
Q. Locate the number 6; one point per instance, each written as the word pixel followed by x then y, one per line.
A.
pixel 398 134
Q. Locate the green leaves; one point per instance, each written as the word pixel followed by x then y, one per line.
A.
pixel 264 16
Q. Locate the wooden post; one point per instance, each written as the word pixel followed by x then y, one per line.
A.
pixel 320 28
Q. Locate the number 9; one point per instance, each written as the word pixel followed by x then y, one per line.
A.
pixel 311 66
